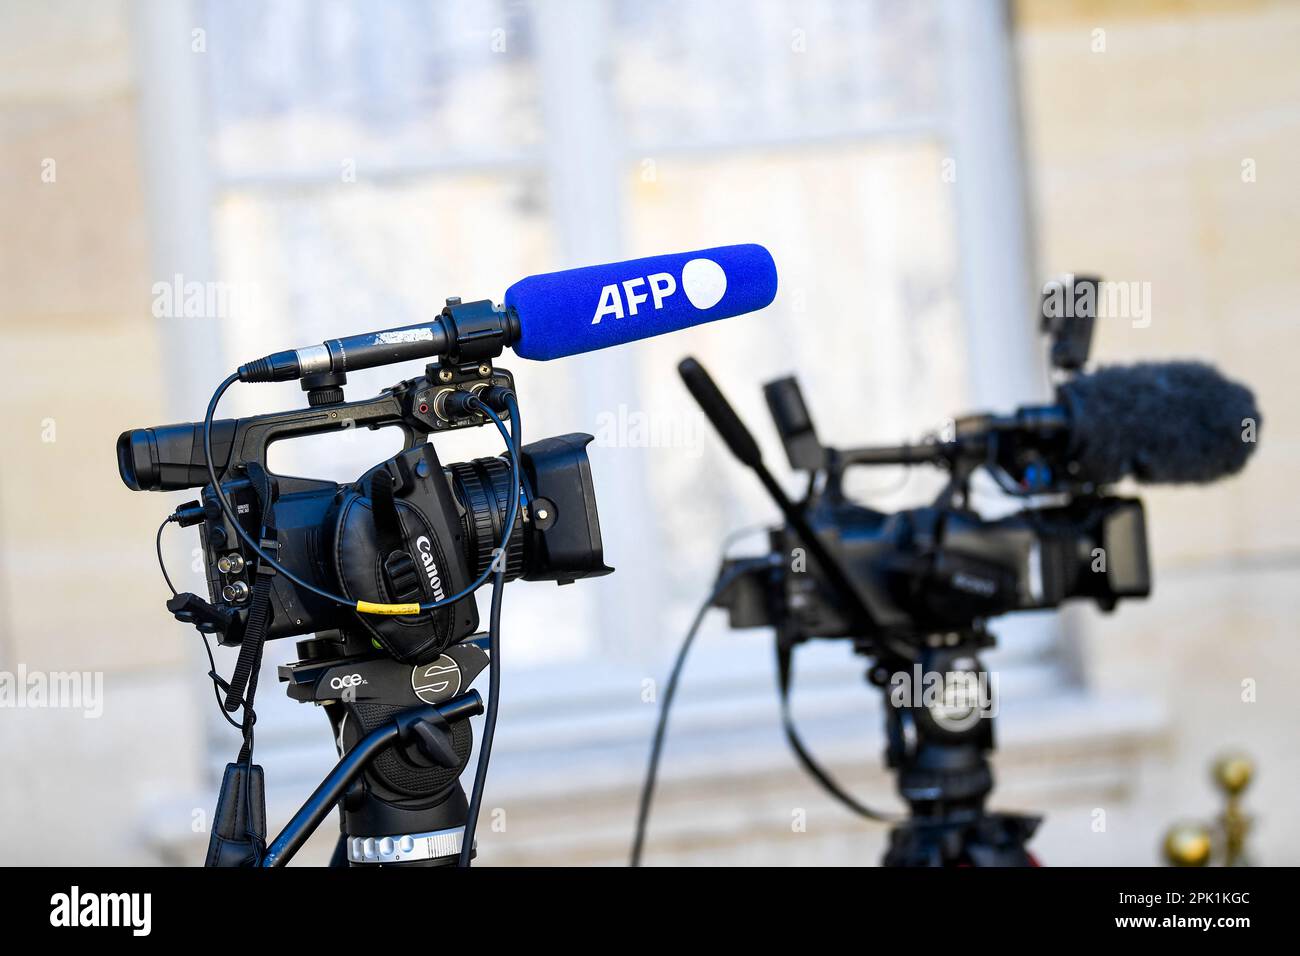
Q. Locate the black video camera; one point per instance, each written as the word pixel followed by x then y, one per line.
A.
pixel 384 570
pixel 942 567
pixel 902 577
pixel 410 530
pixel 914 590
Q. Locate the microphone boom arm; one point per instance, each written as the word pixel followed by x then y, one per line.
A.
pixel 738 438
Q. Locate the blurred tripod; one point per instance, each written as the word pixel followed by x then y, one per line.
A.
pixel 939 751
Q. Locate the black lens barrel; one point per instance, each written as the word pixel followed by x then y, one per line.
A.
pixel 482 487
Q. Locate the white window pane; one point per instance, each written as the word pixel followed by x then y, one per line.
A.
pixel 866 316
pixel 302 86
pixel 319 262
pixel 738 68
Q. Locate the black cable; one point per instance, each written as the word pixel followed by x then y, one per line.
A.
pixel 661 726
pixel 647 787
pixel 257 549
pixel 494 648
pixel 801 751
pixel 489 722
pixel 217 683
pixel 804 756
pixel 821 775
pixel 162 565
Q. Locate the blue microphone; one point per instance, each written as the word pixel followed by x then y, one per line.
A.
pixel 556 314
pixel 580 310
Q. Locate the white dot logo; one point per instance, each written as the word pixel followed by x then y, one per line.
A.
pixel 704 283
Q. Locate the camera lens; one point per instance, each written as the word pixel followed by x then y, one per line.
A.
pixel 482 487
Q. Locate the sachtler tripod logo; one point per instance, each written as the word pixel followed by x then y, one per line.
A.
pixel 436 682
pixel 955 699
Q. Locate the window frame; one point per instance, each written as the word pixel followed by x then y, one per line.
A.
pixel 584 168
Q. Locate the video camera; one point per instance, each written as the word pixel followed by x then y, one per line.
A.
pixel 915 589
pixel 389 563
pixel 900 577
pixel 382 571
pixel 409 530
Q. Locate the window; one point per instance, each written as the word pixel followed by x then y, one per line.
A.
pixel 370 159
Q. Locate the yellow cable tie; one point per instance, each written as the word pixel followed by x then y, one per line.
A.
pixel 394 610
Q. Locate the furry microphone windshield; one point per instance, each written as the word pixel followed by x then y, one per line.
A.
pixel 1160 422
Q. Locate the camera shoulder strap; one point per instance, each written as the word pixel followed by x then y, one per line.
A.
pixel 243 682
pixel 238 835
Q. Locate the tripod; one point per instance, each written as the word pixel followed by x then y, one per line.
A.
pixel 939 713
pixel 939 727
pixel 404 738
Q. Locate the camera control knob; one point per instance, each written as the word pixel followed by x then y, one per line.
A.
pixel 324 396
pixel 235 592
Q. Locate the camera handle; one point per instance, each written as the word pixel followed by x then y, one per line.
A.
pixel 418 407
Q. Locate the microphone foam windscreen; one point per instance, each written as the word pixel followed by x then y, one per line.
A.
pixel 580 310
pixel 1161 422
